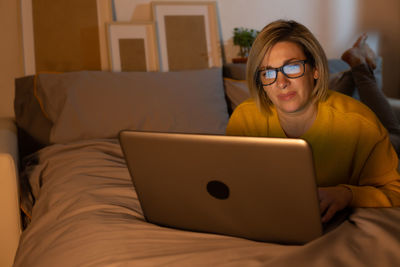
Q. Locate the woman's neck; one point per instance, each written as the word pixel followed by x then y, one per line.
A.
pixel 297 123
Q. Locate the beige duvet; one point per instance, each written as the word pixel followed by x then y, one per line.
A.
pixel 87 214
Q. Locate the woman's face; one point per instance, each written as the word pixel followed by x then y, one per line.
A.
pixel 289 95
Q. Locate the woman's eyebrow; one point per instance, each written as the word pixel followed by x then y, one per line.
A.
pixel 284 63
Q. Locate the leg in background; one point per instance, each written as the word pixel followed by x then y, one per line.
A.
pixel 362 61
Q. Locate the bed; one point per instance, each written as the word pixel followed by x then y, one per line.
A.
pixel 81 209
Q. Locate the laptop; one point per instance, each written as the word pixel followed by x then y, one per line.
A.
pixel 262 189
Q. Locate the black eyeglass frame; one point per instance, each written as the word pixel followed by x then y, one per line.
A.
pixel 280 69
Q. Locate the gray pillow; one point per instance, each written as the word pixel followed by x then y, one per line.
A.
pixel 94 104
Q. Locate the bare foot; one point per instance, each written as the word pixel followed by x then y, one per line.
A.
pixel 360 53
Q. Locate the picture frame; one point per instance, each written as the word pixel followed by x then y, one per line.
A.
pixel 40 52
pixel 132 46
pixel 188 35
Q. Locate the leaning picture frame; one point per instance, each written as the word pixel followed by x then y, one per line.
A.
pixel 49 46
pixel 132 46
pixel 188 35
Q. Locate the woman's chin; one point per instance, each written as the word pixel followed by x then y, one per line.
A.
pixel 294 107
pixel 290 108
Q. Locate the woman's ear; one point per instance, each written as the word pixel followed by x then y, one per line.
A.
pixel 316 74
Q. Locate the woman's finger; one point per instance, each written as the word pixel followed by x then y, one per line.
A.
pixel 329 213
pixel 323 205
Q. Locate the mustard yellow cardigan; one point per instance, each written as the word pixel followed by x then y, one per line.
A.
pixel 350 147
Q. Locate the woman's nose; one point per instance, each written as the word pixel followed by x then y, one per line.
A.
pixel 282 81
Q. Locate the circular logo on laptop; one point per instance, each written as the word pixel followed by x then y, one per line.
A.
pixel 218 189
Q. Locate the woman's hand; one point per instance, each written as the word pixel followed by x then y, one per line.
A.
pixel 333 199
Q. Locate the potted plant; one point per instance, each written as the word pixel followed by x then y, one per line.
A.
pixel 244 38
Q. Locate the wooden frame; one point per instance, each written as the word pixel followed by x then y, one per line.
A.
pixel 206 11
pixel 104 15
pixel 143 33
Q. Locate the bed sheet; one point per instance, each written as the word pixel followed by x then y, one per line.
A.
pixel 87 214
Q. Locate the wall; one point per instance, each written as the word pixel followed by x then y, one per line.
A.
pixel 337 17
pixel 11 64
pixel 336 23
pixel 384 18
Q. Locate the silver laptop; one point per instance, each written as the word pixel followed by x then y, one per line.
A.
pixel 262 189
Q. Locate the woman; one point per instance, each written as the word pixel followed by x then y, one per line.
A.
pixel 287 72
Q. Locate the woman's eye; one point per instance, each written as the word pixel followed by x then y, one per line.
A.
pixel 292 68
pixel 270 74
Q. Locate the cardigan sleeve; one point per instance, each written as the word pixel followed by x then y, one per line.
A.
pixel 379 182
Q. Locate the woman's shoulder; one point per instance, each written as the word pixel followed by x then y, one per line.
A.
pixel 250 103
pixel 347 104
pixel 248 106
pixel 351 109
pixel 247 120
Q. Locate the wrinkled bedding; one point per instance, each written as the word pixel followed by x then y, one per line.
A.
pixel 87 214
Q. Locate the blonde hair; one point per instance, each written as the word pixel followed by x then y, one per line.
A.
pixel 291 31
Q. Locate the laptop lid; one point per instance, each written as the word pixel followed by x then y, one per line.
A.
pixel 261 189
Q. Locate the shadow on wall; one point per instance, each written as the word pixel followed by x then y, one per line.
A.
pixel 384 19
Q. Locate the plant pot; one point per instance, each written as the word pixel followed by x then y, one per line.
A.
pixel 239 60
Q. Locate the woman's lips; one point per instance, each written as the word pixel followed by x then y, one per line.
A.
pixel 287 96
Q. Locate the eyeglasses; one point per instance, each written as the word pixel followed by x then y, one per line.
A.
pixel 291 70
